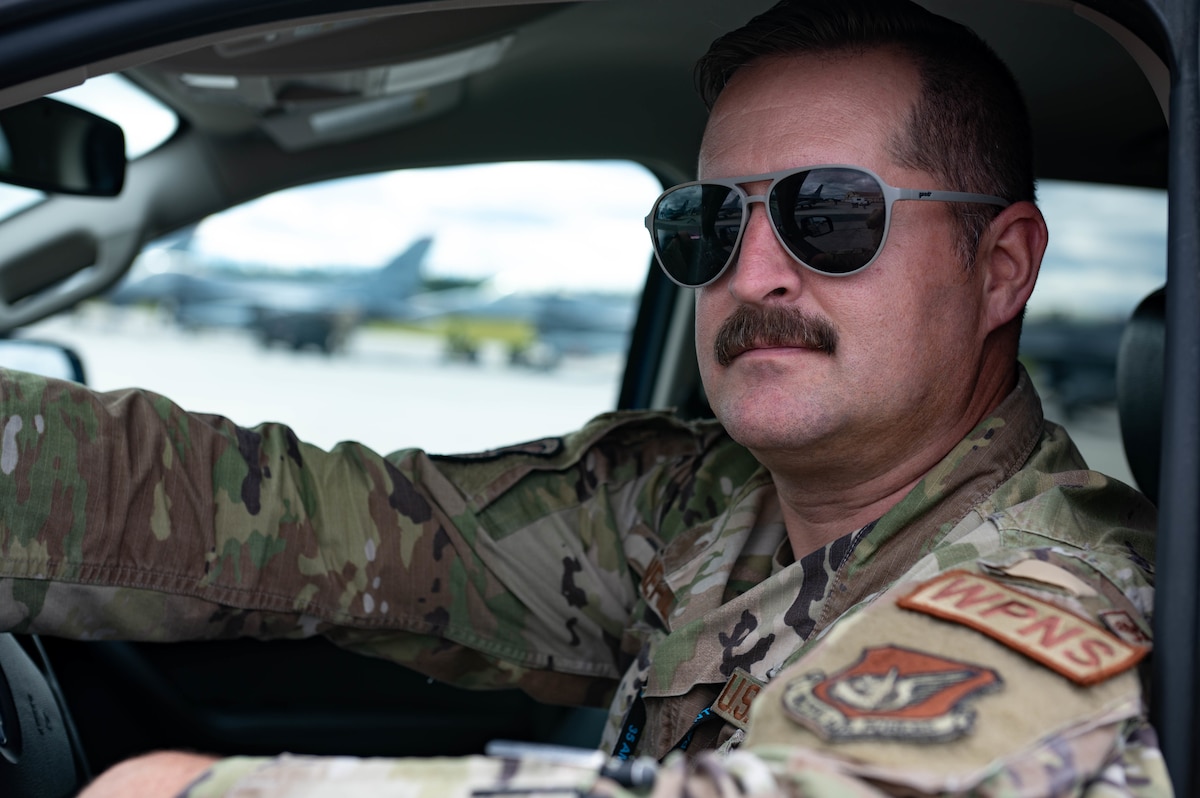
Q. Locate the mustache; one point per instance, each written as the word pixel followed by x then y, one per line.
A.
pixel 752 327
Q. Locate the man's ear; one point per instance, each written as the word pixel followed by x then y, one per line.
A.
pixel 1010 253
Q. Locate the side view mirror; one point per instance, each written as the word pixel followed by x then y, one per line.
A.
pixel 55 147
pixel 41 357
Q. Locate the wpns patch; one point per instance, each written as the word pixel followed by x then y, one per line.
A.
pixel 890 693
pixel 1066 643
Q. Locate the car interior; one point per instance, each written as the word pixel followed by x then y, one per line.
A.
pixel 267 97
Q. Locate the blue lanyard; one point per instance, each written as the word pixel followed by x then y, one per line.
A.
pixel 631 733
pixel 635 722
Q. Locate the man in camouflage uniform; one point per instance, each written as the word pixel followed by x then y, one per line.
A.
pixel 882 572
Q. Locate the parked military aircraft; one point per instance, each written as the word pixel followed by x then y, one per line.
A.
pixel 320 309
pixel 536 328
pixel 297 311
pixel 808 200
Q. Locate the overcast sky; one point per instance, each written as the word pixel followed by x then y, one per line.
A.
pixel 1108 248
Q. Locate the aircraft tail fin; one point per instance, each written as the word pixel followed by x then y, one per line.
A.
pixel 402 276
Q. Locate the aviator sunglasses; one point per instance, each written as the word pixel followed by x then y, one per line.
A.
pixel 831 219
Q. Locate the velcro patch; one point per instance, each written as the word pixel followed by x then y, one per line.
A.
pixel 656 590
pixel 1059 639
pixel 734 702
pixel 1120 623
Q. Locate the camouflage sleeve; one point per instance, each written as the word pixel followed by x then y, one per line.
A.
pixel 125 517
pixel 345 777
pixel 1136 771
pixel 1012 674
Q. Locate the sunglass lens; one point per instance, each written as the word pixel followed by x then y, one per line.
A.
pixel 695 231
pixel 831 219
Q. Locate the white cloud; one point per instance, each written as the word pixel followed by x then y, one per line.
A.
pixel 567 224
pixel 1107 249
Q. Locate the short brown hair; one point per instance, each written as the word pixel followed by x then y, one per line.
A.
pixel 969 128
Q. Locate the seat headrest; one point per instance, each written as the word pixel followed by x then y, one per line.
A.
pixel 1140 361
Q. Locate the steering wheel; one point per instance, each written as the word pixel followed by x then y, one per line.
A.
pixel 40 755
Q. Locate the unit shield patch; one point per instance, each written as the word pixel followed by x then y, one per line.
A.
pixel 890 693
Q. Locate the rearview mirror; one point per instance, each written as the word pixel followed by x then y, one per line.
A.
pixel 815 226
pixel 55 147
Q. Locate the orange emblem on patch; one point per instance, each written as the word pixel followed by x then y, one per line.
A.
pixel 890 693
pixel 1059 639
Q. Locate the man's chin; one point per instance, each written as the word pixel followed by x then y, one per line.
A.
pixel 767 425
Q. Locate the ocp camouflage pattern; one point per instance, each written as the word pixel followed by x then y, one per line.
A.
pixel 639 556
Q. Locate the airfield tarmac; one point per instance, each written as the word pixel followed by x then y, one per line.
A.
pixel 389 389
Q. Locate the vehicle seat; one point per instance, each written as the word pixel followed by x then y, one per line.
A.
pixel 1140 361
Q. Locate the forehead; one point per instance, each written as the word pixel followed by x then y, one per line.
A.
pixel 786 111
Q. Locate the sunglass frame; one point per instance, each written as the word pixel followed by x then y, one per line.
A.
pixel 891 194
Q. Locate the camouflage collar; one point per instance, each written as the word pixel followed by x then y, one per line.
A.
pixel 990 455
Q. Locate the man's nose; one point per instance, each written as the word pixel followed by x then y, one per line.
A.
pixel 763 271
